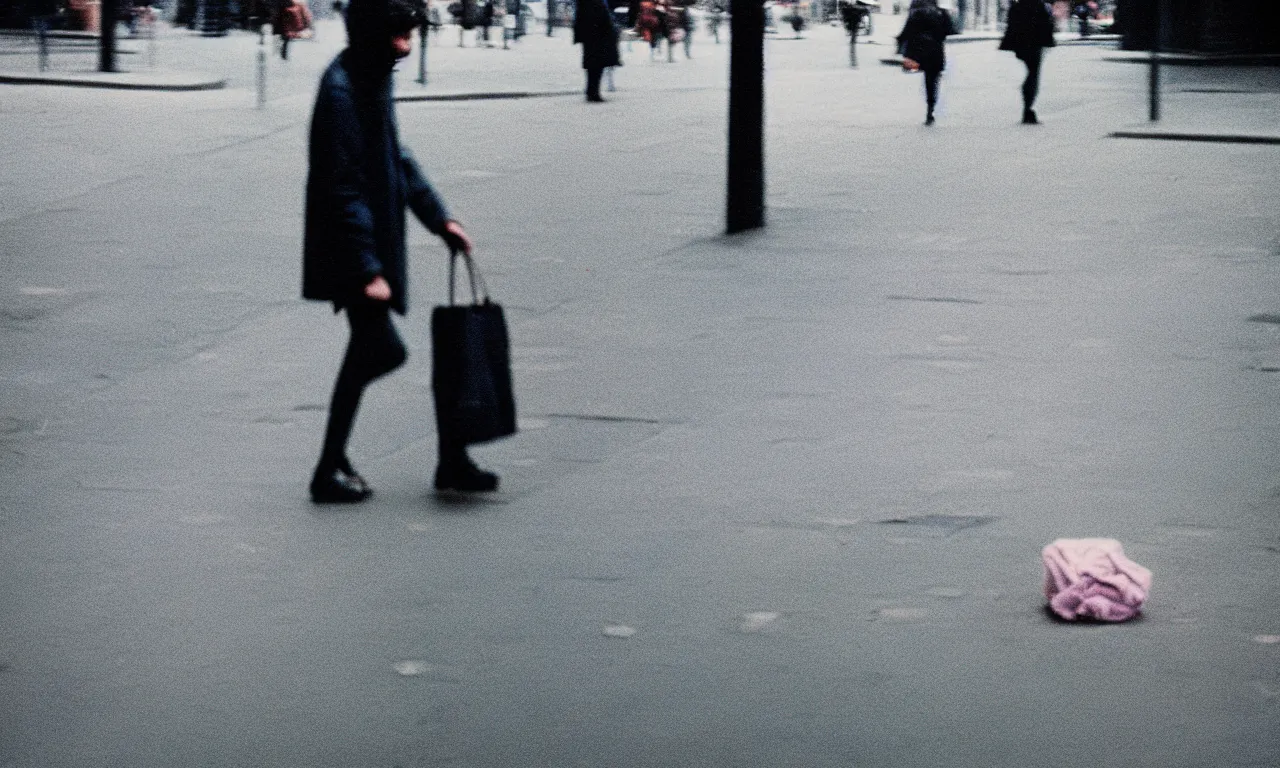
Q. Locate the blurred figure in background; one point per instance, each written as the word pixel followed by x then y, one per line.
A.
pixel 687 24
pixel 293 22
pixel 594 30
pixel 1029 32
pixel 715 17
pixel 486 21
pixel 649 25
pixel 921 43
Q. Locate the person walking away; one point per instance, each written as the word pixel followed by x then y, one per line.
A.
pixel 486 21
pixel 1029 32
pixel 715 17
pixel 922 40
pixel 359 182
pixel 687 23
pixel 294 21
pixel 649 22
pixel 593 28
pixel 466 20
pixel 671 28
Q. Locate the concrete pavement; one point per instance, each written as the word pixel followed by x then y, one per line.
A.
pixel 810 467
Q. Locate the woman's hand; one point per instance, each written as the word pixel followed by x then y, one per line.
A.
pixel 456 237
pixel 378 289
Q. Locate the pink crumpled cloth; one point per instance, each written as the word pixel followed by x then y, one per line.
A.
pixel 1092 579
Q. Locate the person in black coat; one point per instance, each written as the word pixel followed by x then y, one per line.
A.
pixel 594 29
pixel 922 40
pixel 359 182
pixel 1029 32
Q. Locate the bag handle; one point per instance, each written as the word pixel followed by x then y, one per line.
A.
pixel 473 276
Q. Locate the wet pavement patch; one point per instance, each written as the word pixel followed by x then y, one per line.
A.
pixel 757 621
pixel 934 299
pixel 947 524
pixel 1266 317
pixel 619 631
pixel 605 418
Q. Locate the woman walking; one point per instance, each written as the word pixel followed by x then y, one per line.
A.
pixel 593 28
pixel 1029 32
pixel 921 42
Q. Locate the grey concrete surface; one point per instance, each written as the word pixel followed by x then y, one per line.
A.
pixel 811 467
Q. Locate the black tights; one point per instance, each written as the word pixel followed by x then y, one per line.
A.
pixel 593 81
pixel 375 349
pixel 931 90
pixel 1031 86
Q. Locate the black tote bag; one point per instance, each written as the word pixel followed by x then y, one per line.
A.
pixel 471 366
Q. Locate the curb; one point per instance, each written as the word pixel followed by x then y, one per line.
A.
pixel 1215 138
pixel 118 81
pixel 1206 60
pixel 485 95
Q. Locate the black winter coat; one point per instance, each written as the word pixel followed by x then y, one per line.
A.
pixel 593 27
pixel 923 36
pixel 360 179
pixel 1030 26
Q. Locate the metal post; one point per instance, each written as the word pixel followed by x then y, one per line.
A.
pixel 551 16
pixel 110 13
pixel 42 32
pixel 745 198
pixel 1157 14
pixel 262 72
pixel 422 54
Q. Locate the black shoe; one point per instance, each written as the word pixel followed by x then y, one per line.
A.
pixel 465 477
pixel 928 120
pixel 336 487
pixel 351 474
pixel 1029 117
pixel 596 99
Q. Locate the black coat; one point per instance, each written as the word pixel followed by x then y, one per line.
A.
pixel 360 179
pixel 593 27
pixel 923 36
pixel 1029 26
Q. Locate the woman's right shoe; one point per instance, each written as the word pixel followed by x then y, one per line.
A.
pixel 336 487
pixel 1029 117
pixel 465 477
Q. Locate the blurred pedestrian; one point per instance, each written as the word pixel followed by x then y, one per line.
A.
pixel 1029 32
pixel 359 182
pixel 922 45
pixel 671 28
pixel 293 22
pixel 715 16
pixel 649 23
pixel 594 30
pixel 687 24
pixel 486 21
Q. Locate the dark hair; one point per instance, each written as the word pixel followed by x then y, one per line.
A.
pixel 405 15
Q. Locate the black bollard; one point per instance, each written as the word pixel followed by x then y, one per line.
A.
pixel 745 198
pixel 109 15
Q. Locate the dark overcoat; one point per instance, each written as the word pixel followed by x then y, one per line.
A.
pixel 594 29
pixel 1029 26
pixel 360 179
pixel 923 37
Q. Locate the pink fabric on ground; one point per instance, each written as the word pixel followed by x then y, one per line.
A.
pixel 1092 579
